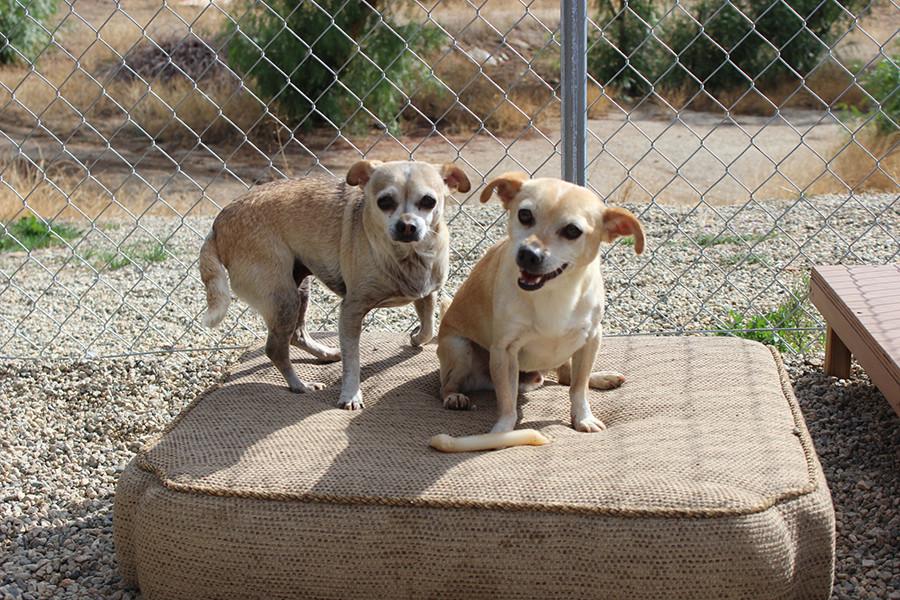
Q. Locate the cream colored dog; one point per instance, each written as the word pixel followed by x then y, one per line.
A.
pixel 378 239
pixel 535 301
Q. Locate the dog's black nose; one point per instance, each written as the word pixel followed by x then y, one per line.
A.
pixel 405 230
pixel 529 258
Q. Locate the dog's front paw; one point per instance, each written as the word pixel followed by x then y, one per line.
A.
pixel 504 424
pixel 419 337
pixel 354 402
pixel 457 402
pixel 589 424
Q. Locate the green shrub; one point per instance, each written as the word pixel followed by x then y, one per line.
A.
pixel 765 40
pixel 32 233
pixel 741 42
pixel 331 61
pixel 883 84
pixel 21 31
pixel 714 239
pixel 625 57
pixel 113 260
pixel 788 326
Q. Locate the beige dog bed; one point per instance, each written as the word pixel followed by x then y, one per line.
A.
pixel 705 485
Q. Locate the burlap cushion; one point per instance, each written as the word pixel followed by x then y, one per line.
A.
pixel 705 485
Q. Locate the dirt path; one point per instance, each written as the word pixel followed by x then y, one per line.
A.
pixel 632 158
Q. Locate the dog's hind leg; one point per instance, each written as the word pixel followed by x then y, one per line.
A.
pixel 301 337
pixel 606 380
pixel 464 367
pixel 281 319
pixel 599 380
pixel 530 380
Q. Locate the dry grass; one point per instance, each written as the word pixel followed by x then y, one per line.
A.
pixel 628 193
pixel 529 97
pixel 826 87
pixel 477 23
pixel 76 81
pixel 61 190
pixel 180 112
pixel 120 25
pixel 870 163
pixel 598 103
pixel 63 96
pixel 51 190
pixel 471 95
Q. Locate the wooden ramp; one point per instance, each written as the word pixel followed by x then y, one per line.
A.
pixel 861 305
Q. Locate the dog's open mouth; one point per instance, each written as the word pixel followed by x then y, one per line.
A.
pixel 530 281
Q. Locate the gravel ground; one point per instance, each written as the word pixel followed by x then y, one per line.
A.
pixel 71 425
pixel 69 428
pixel 857 438
pixel 65 302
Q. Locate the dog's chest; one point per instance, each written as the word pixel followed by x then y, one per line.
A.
pixel 410 281
pixel 550 351
pixel 556 331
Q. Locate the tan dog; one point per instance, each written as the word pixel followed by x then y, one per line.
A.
pixel 534 302
pixel 385 244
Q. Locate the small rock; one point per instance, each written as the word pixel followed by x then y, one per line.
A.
pixel 483 57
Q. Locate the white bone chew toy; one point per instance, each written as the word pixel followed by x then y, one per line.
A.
pixel 487 441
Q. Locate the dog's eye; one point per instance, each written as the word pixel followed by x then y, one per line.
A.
pixel 427 202
pixel 570 232
pixel 386 202
pixel 526 217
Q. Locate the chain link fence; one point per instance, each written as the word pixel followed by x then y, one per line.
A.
pixel 752 137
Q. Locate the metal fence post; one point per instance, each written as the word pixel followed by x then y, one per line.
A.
pixel 573 63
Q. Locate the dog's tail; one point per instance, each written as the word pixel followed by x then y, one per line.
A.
pixel 215 278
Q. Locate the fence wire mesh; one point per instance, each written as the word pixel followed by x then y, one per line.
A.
pixel 752 137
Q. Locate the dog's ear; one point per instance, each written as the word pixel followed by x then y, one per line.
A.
pixel 361 171
pixel 618 222
pixel 507 186
pixel 455 178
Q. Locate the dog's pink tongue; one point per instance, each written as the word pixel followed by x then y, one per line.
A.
pixel 528 277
